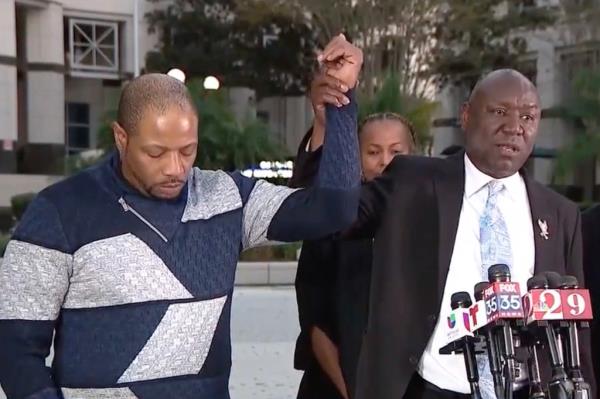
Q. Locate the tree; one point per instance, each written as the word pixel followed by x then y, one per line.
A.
pixel 224 142
pixel 272 55
pixel 582 111
pixel 395 35
pixel 418 111
pixel 475 37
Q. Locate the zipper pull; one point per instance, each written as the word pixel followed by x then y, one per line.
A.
pixel 123 204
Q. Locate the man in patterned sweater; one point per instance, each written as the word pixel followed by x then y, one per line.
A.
pixel 131 264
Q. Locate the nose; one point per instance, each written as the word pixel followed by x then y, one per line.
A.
pixel 513 124
pixel 386 159
pixel 174 165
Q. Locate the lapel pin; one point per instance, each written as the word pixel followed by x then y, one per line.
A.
pixel 543 228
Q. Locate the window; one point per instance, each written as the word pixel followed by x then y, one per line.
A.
pixel 78 127
pixel 528 68
pixel 94 45
pixel 263 116
pixel 576 60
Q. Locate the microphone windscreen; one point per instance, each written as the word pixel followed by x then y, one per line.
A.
pixel 569 282
pixel 479 288
pixel 460 299
pixel 554 279
pixel 499 272
pixel 537 282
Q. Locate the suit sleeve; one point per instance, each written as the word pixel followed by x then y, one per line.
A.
pixel 575 268
pixel 34 278
pixel 307 163
pixel 277 213
pixel 374 197
pixel 591 238
pixel 315 284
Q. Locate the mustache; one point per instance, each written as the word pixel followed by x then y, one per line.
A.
pixel 172 181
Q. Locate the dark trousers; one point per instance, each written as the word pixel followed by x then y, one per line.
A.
pixel 315 384
pixel 418 388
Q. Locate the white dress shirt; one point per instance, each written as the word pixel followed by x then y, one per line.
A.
pixel 448 371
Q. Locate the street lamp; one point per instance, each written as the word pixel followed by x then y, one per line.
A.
pixel 177 74
pixel 211 83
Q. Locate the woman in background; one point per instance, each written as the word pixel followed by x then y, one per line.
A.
pixel 333 278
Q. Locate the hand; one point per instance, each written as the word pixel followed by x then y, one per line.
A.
pixel 325 89
pixel 342 60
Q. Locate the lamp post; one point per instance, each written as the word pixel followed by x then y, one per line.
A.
pixel 177 74
pixel 211 83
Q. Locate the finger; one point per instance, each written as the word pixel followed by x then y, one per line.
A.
pixel 328 99
pixel 341 98
pixel 330 81
pixel 335 42
pixel 340 52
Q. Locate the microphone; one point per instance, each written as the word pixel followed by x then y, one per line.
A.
pixel 490 343
pixel 543 307
pixel 536 390
pixel 576 306
pixel 462 300
pixel 504 309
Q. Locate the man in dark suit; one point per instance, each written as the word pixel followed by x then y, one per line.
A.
pixel 591 267
pixel 439 224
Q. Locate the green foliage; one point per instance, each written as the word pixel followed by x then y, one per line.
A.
pixel 475 37
pixel 19 204
pixel 583 113
pixel 226 143
pixel 4 239
pixel 6 219
pixel 419 111
pixel 271 54
pixel 106 140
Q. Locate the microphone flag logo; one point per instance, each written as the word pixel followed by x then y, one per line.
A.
pixel 452 320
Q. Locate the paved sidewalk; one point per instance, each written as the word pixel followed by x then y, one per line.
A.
pixel 264 330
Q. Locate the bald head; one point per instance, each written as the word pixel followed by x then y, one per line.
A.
pixel 501 78
pixel 152 92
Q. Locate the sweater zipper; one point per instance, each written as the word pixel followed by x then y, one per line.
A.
pixel 128 208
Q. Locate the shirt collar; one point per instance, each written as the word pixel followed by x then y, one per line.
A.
pixel 475 180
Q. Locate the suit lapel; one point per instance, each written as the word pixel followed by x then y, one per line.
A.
pixel 450 186
pixel 544 221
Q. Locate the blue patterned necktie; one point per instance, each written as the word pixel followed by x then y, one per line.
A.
pixel 494 243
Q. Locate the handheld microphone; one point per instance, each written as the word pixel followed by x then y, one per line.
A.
pixel 574 305
pixel 490 343
pixel 544 309
pixel 536 390
pixel 504 309
pixel 463 300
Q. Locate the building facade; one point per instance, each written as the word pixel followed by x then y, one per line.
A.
pixel 62 64
pixel 555 57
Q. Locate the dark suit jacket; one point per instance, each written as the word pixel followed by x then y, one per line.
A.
pixel 413 212
pixel 591 267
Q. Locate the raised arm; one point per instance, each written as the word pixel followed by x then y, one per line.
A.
pixel 275 213
pixel 324 89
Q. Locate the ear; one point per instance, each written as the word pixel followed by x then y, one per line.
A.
pixel 120 136
pixel 464 115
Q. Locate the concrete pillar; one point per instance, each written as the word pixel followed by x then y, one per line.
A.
pixel 45 88
pixel 8 86
pixel 46 82
pixel 243 102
